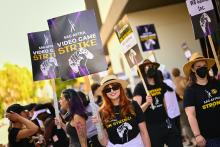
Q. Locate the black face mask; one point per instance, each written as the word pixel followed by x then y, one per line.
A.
pixel 202 72
pixel 151 72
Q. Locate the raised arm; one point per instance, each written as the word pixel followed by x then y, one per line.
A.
pixel 104 140
pixel 30 129
pixel 145 105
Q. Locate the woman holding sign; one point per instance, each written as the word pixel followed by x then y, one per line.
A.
pixel 161 129
pixel 76 126
pixel 122 119
pixel 202 101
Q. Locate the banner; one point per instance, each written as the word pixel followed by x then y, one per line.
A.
pixel 77 44
pixel 148 37
pixel 128 42
pixel 44 62
pixel 203 17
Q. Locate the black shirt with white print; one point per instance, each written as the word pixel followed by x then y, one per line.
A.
pixel 122 130
pixel 156 115
pixel 206 100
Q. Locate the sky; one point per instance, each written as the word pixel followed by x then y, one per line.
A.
pixel 19 17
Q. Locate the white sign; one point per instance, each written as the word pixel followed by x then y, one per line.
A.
pixel 196 7
pixel 128 42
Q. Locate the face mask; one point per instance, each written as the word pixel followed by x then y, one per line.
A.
pixel 202 72
pixel 151 72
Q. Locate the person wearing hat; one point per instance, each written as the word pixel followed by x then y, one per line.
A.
pixel 161 129
pixel 75 112
pixel 122 119
pixel 202 101
pixel 20 128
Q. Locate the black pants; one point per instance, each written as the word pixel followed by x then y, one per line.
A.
pixel 160 134
pixel 93 142
pixel 176 122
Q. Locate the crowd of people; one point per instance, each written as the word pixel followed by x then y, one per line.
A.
pixel 177 109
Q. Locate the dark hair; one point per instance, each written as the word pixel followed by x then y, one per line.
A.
pixel 192 77
pixel 84 98
pixel 94 87
pixel 158 79
pixel 30 106
pixel 176 72
pixel 76 105
pixel 17 108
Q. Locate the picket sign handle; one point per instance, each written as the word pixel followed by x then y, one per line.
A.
pixel 95 110
pixel 55 102
pixel 145 86
pixel 214 52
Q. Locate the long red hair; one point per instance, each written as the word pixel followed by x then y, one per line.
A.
pixel 106 109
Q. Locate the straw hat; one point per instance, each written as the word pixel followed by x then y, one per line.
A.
pixel 195 58
pixel 108 80
pixel 147 62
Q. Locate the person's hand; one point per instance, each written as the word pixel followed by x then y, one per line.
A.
pixel 96 119
pixel 200 141
pixel 149 100
pixel 12 116
pixel 59 122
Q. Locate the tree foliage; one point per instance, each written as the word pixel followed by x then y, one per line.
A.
pixel 16 86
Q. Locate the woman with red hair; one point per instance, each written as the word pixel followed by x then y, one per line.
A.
pixel 122 119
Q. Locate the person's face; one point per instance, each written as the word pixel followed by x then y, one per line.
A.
pixel 198 65
pixel 150 71
pixel 24 114
pixel 112 90
pixel 64 104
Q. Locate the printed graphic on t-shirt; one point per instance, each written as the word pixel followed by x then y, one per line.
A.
pixel 123 130
pixel 211 101
pixel 116 122
pixel 155 93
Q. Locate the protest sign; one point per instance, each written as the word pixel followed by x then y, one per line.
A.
pixel 44 63
pixel 128 42
pixel 203 17
pixel 77 44
pixel 148 37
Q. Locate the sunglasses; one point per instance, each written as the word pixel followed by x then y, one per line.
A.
pixel 114 87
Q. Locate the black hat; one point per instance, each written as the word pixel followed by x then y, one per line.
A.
pixel 17 108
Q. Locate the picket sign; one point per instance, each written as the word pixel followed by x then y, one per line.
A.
pixel 145 86
pixel 141 77
pixel 55 101
pixel 214 52
pixel 95 109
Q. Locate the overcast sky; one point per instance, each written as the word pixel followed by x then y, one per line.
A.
pixel 19 17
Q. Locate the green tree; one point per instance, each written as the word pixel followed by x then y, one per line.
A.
pixel 16 86
pixel 61 85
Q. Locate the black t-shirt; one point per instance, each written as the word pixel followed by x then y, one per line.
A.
pixel 206 99
pixel 157 115
pixel 121 130
pixel 13 132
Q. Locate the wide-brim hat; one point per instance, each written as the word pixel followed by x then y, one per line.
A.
pixel 195 58
pixel 108 80
pixel 148 62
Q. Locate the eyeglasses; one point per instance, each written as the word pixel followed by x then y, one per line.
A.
pixel 114 87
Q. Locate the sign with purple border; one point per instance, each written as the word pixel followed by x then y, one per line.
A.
pixel 77 44
pixel 44 62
